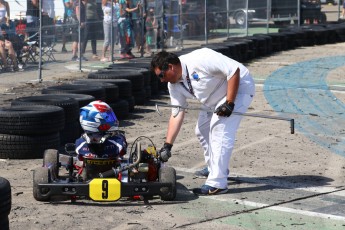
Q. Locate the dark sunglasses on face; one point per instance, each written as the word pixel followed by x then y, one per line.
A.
pixel 161 74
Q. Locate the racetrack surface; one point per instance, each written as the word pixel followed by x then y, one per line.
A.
pixel 277 180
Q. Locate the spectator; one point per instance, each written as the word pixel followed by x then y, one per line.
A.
pixel 6 48
pixel 48 20
pixel 64 29
pixel 343 11
pixel 106 7
pixel 126 28
pixel 79 15
pixel 138 22
pixel 32 17
pixel 151 30
pixel 91 27
pixel 4 10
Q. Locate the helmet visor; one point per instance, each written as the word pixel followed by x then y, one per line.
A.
pixel 109 120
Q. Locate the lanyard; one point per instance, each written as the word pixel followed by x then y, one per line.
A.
pixel 190 90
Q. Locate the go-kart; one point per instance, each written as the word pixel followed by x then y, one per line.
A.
pixel 140 176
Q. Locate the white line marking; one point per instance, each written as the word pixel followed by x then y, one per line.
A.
pixel 277 208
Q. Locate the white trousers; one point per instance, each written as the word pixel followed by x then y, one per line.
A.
pixel 217 137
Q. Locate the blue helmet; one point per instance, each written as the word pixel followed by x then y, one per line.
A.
pixel 98 117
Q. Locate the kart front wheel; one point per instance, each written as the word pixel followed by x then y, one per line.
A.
pixel 41 176
pixel 168 175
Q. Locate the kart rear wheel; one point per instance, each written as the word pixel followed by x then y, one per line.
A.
pixel 51 161
pixel 168 175
pixel 41 176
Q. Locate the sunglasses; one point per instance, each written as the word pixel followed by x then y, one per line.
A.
pixel 161 74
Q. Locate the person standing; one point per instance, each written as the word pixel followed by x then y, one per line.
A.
pixel 79 15
pixel 126 28
pixel 48 21
pixel 4 13
pixel 107 23
pixel 151 30
pixel 32 19
pixel 91 27
pixel 220 84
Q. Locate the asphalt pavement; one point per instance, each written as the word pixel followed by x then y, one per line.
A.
pixel 277 180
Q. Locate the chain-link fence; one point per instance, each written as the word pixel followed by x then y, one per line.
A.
pixel 74 31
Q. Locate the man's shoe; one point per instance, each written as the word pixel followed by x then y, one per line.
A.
pixel 207 190
pixel 74 58
pixel 64 50
pixel 203 173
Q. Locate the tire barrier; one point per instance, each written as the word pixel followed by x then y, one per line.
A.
pixel 24 127
pixel 141 65
pixel 97 92
pixel 27 146
pixel 31 120
pixel 71 111
pixel 135 77
pixel 111 90
pixel 82 99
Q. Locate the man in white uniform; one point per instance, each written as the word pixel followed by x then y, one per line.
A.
pixel 222 85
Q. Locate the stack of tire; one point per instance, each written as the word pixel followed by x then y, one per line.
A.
pixel 70 129
pixel 112 92
pixel 5 203
pixel 118 94
pixel 27 129
pixel 153 81
pixel 136 78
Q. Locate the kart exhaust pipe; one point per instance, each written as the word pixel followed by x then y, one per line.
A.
pixel 114 172
pixel 292 121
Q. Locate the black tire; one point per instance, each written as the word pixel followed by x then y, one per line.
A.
pixel 70 133
pixel 51 161
pixel 97 91
pixel 125 86
pixel 135 77
pixel 140 97
pixel 27 147
pixel 143 65
pixel 82 99
pixel 120 108
pixel 168 175
pixel 5 223
pixel 144 71
pixel 27 120
pixel 70 105
pixel 41 176
pixel 5 198
pixel 111 90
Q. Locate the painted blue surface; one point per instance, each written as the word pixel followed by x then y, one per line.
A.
pixel 300 91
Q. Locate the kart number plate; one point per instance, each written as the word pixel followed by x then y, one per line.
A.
pixel 105 189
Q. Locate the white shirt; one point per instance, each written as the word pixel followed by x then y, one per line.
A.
pixel 209 72
pixel 107 12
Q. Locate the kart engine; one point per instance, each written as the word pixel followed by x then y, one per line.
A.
pixel 147 170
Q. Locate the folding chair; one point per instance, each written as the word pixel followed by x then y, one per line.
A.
pixel 48 43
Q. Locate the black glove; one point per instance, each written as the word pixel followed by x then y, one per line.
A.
pixel 165 152
pixel 225 109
